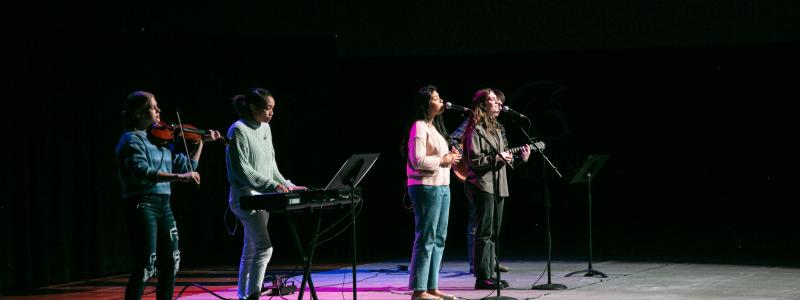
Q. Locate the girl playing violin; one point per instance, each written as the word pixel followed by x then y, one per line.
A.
pixel 145 172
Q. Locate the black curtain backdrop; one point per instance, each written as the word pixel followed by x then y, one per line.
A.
pixel 694 105
pixel 63 219
pixel 698 137
pixel 699 142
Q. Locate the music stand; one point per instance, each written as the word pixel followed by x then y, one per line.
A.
pixel 587 172
pixel 350 175
pixel 352 171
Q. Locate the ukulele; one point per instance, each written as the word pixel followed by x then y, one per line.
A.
pixel 462 167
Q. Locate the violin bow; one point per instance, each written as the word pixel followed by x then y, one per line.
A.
pixel 185 145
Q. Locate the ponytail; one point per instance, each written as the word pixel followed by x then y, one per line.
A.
pixel 255 96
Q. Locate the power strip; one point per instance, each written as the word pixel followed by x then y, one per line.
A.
pixel 282 291
pixel 279 288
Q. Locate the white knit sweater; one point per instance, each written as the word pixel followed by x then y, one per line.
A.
pixel 250 159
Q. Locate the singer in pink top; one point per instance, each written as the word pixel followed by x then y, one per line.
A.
pixel 428 162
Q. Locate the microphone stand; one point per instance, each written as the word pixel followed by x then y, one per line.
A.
pixel 496 182
pixel 549 285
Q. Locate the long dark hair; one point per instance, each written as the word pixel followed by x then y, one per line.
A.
pixel 255 96
pixel 480 112
pixel 418 110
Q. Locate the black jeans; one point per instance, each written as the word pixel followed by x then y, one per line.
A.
pixel 486 222
pixel 154 242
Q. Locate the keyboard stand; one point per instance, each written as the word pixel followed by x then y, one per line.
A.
pixel 307 260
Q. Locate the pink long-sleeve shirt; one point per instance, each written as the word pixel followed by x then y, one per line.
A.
pixel 426 147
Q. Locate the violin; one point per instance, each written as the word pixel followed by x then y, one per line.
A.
pixel 162 133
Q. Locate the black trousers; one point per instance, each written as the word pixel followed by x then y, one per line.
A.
pixel 486 222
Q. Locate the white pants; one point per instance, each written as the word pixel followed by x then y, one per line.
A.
pixel 256 250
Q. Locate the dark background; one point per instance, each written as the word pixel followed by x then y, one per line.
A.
pixel 692 101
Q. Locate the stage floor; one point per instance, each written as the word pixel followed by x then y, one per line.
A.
pixel 626 280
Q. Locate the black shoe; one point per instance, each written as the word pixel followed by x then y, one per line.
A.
pixel 502 282
pixel 502 268
pixel 489 284
pixel 254 296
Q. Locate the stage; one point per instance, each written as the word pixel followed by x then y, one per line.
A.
pixel 626 280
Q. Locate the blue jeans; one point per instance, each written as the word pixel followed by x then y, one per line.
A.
pixel 431 212
pixel 151 223
pixel 256 249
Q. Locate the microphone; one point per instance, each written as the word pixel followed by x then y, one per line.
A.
pixel 452 106
pixel 508 110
